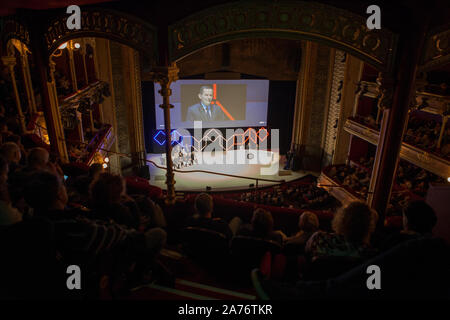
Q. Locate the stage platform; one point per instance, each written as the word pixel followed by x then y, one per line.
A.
pixel 258 165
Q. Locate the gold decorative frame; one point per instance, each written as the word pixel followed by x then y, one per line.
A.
pixel 291 20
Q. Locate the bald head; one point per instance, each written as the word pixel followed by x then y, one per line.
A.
pixel 38 158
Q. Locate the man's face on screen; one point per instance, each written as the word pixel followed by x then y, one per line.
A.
pixel 206 96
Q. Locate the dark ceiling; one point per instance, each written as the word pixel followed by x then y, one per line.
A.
pixel 396 15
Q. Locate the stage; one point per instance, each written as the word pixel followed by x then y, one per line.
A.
pixel 253 164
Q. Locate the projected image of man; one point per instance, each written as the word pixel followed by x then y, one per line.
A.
pixel 205 111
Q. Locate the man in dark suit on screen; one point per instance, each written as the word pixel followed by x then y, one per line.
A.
pixel 205 111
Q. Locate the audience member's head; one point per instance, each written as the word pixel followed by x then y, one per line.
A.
pixel 95 170
pixel 45 191
pixel 204 205
pixel 354 222
pixel 4 168
pixel 106 189
pixel 3 126
pixel 14 138
pixel 419 217
pixel 11 152
pixel 38 158
pixel 262 222
pixel 308 222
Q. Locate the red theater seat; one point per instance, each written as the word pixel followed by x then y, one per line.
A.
pixel 285 219
pixel 137 185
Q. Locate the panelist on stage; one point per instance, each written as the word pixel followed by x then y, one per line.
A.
pixel 205 111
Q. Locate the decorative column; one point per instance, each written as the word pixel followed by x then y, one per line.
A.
pixel 10 62
pixel 165 76
pixel 103 71
pixel 349 94
pixel 133 101
pixel 56 135
pixel 73 74
pixel 27 78
pixel 83 54
pixel 91 42
pixel 311 105
pixel 395 120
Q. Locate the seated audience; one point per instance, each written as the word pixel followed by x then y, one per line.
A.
pixel 110 202
pixel 308 224
pixel 4 130
pixel 353 226
pixel 18 140
pixel 419 220
pixel 415 269
pixel 79 239
pixel 12 154
pixel 151 213
pixel 8 214
pixel 261 227
pixel 204 206
pixel 38 159
pixel 79 186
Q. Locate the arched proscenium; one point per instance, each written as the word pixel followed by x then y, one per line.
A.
pixel 290 20
pixel 13 29
pixel 108 24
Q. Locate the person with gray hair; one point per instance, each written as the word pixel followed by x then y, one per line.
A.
pixel 12 154
pixel 38 159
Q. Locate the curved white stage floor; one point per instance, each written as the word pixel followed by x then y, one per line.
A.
pixel 263 165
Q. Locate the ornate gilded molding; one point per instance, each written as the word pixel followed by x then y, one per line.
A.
pixel 14 29
pixel 386 88
pixel 108 24
pixel 437 48
pixel 291 20
pixel 368 134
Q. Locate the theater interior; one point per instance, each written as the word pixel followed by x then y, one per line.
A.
pixel 97 177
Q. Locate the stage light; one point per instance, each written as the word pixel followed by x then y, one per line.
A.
pixel 106 159
pixel 77 45
pixel 448 179
pixel 105 165
pixel 63 46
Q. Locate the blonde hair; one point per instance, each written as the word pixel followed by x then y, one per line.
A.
pixel 308 221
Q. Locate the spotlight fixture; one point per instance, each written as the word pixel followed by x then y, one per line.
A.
pixel 448 179
pixel 106 159
pixel 63 46
pixel 105 165
pixel 77 45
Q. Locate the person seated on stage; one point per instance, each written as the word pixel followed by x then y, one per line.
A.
pixel 308 224
pixel 261 227
pixel 110 202
pixel 204 206
pixel 419 220
pixel 353 226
